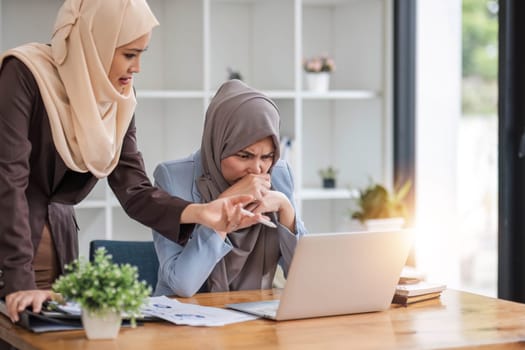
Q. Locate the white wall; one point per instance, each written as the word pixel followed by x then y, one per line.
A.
pixel 438 113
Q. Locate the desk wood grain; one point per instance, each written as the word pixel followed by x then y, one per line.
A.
pixel 456 320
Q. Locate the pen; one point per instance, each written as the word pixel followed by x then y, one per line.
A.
pixel 261 220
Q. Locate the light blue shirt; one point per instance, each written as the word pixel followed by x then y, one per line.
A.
pixel 184 269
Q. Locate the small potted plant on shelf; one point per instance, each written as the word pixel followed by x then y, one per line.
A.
pixel 318 71
pixel 328 175
pixel 233 74
pixel 380 209
pixel 104 291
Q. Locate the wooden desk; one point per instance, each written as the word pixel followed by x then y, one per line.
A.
pixel 456 320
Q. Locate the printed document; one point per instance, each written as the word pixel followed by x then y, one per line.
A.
pixel 179 313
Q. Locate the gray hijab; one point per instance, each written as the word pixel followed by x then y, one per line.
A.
pixel 237 117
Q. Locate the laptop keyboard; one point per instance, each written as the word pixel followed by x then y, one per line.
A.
pixel 268 308
pixel 270 311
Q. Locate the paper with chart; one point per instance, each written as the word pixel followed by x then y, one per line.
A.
pixel 190 314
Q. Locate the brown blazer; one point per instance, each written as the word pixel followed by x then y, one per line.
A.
pixel 36 186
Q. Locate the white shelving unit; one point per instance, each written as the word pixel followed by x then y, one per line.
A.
pixel 348 127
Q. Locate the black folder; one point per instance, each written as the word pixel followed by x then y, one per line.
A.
pixel 45 321
pixel 50 321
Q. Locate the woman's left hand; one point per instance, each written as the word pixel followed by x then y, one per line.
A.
pixel 275 201
pixel 18 301
pixel 271 202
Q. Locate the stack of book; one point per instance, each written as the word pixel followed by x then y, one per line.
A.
pixel 410 293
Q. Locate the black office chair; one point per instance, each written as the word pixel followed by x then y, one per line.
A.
pixel 141 254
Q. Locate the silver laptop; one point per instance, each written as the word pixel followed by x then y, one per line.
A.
pixel 337 274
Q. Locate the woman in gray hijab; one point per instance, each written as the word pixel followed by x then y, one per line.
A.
pixel 239 154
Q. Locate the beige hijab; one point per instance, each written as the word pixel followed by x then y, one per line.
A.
pixel 237 117
pixel 88 116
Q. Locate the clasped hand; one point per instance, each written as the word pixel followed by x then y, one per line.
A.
pixel 265 200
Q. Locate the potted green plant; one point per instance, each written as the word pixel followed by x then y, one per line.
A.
pixel 379 208
pixel 328 176
pixel 104 291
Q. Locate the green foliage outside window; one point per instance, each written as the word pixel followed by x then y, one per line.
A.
pixel 480 57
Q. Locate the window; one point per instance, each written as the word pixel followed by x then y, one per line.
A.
pixel 456 164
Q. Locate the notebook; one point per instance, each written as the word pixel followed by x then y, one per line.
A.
pixel 338 273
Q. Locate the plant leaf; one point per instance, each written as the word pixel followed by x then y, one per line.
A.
pixel 403 191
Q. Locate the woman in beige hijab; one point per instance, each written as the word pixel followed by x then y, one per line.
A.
pixel 239 154
pixel 66 120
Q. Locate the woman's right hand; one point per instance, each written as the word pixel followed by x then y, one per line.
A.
pixel 18 301
pixel 256 185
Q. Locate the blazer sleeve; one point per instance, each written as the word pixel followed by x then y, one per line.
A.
pixel 18 92
pixel 183 269
pixel 141 201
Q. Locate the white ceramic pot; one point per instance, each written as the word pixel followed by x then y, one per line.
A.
pixel 101 325
pixel 384 224
pixel 348 224
pixel 318 82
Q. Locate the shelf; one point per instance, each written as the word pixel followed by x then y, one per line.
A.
pixel 97 204
pixel 305 2
pixel 170 94
pixel 328 193
pixel 306 193
pixel 278 94
pixel 341 94
pixel 186 63
pixel 326 2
